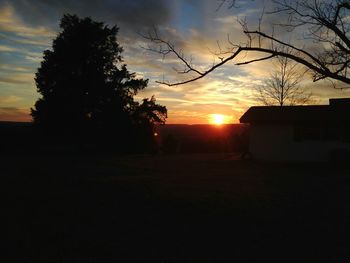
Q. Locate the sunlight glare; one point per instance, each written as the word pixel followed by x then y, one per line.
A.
pixel 217 119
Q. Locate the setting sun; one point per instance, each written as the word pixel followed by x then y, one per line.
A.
pixel 217 119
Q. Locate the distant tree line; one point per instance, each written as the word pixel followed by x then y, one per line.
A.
pixel 234 142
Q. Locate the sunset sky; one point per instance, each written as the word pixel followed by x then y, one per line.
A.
pixel 27 28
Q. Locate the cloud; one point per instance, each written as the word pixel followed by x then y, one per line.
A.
pixel 187 117
pixel 322 91
pixel 9 22
pixel 42 42
pixel 18 78
pixel 135 14
pixel 4 48
pixel 14 114
pixel 9 99
pixel 15 68
pixel 34 56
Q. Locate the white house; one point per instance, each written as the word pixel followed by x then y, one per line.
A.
pixel 300 133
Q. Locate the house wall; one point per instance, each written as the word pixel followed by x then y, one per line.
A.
pixel 277 142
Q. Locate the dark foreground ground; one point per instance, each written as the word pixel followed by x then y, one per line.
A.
pixel 187 208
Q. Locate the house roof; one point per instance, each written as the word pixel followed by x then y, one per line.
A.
pixel 291 114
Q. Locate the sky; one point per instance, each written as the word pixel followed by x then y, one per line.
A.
pixel 196 27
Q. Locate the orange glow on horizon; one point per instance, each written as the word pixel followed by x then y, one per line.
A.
pixel 204 118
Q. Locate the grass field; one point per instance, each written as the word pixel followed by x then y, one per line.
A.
pixel 175 208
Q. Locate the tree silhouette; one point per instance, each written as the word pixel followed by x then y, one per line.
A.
pixel 85 85
pixel 147 115
pixel 323 25
pixel 283 88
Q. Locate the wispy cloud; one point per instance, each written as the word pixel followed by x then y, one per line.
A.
pixel 15 68
pixel 18 78
pixel 4 48
pixel 14 114
pixel 9 22
pixel 9 99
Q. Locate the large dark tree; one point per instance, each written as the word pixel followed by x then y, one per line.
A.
pixel 85 85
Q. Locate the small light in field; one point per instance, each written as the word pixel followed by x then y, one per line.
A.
pixel 217 119
pixel 155 134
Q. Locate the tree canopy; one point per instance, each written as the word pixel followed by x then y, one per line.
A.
pixel 85 85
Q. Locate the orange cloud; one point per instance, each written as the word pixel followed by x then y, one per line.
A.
pixel 14 114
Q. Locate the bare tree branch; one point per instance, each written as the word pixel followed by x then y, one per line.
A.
pixel 326 23
pixel 255 60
